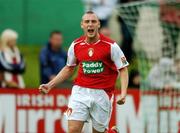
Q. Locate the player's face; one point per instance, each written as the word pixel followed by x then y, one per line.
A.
pixel 90 24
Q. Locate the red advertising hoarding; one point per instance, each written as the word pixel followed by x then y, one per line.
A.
pixel 27 111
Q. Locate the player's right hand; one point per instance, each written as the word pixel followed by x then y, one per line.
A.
pixel 121 100
pixel 44 89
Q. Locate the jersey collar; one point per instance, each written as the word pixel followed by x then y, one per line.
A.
pixel 100 37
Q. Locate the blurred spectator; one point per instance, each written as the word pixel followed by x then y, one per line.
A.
pixel 11 61
pixel 52 57
pixel 105 31
pixel 127 40
pixel 134 79
pixel 162 75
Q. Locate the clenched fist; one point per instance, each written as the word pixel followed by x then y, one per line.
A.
pixel 121 100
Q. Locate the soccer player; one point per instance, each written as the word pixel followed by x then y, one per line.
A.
pixel 99 59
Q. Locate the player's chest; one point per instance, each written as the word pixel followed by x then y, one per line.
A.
pixel 92 52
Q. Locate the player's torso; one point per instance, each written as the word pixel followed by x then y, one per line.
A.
pixel 95 64
pixel 94 58
pixel 97 51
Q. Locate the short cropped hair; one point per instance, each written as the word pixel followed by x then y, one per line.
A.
pixel 89 12
pixel 55 32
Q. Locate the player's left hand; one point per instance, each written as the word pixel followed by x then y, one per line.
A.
pixel 121 100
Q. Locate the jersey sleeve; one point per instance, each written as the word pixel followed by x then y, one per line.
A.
pixel 118 57
pixel 71 59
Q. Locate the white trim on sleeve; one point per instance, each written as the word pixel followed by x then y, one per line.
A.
pixel 71 59
pixel 118 57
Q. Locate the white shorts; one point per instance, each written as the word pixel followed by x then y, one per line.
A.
pixel 90 104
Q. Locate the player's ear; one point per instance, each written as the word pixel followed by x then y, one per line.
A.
pixel 81 25
pixel 99 25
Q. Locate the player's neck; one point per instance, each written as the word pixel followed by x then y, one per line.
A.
pixel 93 39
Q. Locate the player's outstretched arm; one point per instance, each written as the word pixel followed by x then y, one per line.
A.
pixel 64 74
pixel 124 84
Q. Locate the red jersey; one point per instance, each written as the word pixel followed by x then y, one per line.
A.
pixel 98 62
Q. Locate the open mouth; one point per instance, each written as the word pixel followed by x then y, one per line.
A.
pixel 90 30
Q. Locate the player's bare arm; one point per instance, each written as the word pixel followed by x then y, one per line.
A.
pixel 64 74
pixel 124 84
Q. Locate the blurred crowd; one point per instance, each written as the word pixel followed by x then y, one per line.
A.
pixel 53 57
